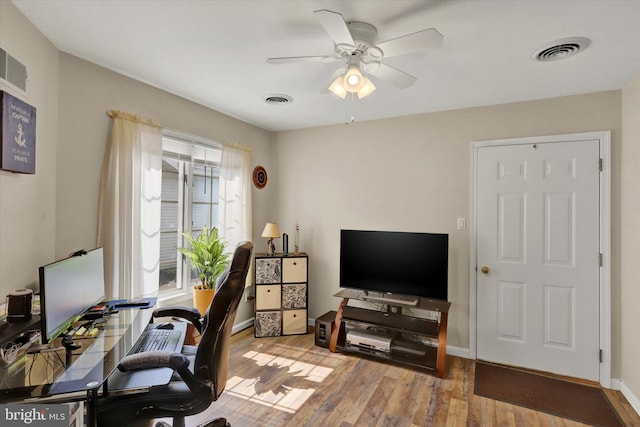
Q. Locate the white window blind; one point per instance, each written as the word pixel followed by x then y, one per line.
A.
pixel 190 199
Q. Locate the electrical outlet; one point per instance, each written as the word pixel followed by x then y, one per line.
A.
pixel 249 293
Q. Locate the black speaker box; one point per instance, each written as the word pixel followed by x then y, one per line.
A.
pixel 324 325
pixel 19 305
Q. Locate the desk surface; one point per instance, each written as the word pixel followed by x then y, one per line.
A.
pixel 53 372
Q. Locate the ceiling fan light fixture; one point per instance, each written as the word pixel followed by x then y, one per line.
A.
pixel 353 79
pixel 366 89
pixel 337 88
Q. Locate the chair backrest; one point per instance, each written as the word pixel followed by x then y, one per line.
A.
pixel 212 355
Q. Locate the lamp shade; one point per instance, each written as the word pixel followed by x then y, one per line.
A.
pixel 366 88
pixel 353 79
pixel 338 88
pixel 271 230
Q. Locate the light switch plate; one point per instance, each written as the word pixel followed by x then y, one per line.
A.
pixel 462 223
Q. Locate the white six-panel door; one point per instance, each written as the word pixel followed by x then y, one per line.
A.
pixel 537 249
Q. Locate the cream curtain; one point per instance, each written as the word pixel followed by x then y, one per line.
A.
pixel 234 210
pixel 129 213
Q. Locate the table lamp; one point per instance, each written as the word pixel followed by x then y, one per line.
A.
pixel 270 231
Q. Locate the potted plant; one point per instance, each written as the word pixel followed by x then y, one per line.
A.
pixel 207 255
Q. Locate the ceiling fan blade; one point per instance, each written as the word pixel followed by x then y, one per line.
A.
pixel 298 59
pixel 334 25
pixel 398 78
pixel 411 43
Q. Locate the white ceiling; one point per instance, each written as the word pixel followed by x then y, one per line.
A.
pixel 213 52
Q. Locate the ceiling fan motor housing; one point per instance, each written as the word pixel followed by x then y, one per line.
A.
pixel 363 36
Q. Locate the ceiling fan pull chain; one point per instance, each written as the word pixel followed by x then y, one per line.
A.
pixel 348 113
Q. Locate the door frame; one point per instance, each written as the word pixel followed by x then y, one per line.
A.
pixel 604 137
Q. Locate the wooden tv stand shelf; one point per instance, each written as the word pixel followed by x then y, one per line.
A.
pixel 409 340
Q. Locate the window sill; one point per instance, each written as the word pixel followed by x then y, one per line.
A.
pixel 181 298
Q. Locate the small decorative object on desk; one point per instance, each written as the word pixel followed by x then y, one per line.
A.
pixel 19 305
pixel 296 240
pixel 285 243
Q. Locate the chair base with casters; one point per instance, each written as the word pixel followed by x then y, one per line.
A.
pixel 200 373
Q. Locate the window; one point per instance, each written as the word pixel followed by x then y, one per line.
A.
pixel 190 197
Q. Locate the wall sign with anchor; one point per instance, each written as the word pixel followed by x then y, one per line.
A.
pixel 17 135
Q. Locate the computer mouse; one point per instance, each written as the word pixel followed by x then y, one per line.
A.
pixel 166 325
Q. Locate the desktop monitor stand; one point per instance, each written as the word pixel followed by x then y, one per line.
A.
pixel 69 345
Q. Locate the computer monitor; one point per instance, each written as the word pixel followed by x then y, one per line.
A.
pixel 68 288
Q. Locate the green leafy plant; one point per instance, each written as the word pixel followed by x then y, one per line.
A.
pixel 206 255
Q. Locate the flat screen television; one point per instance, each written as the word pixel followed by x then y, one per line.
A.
pixel 68 288
pixel 390 262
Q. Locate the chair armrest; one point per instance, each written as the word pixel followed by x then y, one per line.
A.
pixel 164 359
pixel 190 314
pixel 153 359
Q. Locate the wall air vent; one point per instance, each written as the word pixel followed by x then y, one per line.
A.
pixel 561 49
pixel 13 71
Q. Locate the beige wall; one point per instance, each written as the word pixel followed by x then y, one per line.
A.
pixel 27 202
pixel 412 174
pixel 629 213
pixel 87 92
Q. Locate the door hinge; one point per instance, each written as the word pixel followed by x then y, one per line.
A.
pixel 600 355
pixel 600 260
pixel 600 164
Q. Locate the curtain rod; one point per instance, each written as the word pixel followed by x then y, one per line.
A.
pixel 236 145
pixel 134 118
pixel 204 141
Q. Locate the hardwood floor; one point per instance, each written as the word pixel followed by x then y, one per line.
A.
pixel 288 381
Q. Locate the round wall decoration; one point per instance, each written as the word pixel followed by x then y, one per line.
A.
pixel 259 177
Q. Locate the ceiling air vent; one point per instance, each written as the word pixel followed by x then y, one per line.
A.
pixel 278 99
pixel 13 71
pixel 561 49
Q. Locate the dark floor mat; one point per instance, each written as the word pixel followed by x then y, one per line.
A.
pixel 578 402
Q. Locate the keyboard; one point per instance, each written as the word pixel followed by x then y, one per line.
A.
pixel 158 339
pixel 150 377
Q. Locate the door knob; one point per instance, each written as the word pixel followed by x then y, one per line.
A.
pixel 485 269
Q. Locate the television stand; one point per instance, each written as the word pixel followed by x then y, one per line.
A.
pixel 395 299
pixel 408 340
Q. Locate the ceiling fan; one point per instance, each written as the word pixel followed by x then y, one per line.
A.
pixel 356 45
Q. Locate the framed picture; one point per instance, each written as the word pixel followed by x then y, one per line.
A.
pixel 17 135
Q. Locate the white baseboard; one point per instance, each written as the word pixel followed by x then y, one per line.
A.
pixel 631 397
pixel 242 326
pixel 458 351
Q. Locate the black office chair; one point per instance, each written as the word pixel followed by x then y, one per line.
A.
pixel 200 372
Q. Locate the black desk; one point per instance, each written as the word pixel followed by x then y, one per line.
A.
pixel 10 330
pixel 59 376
